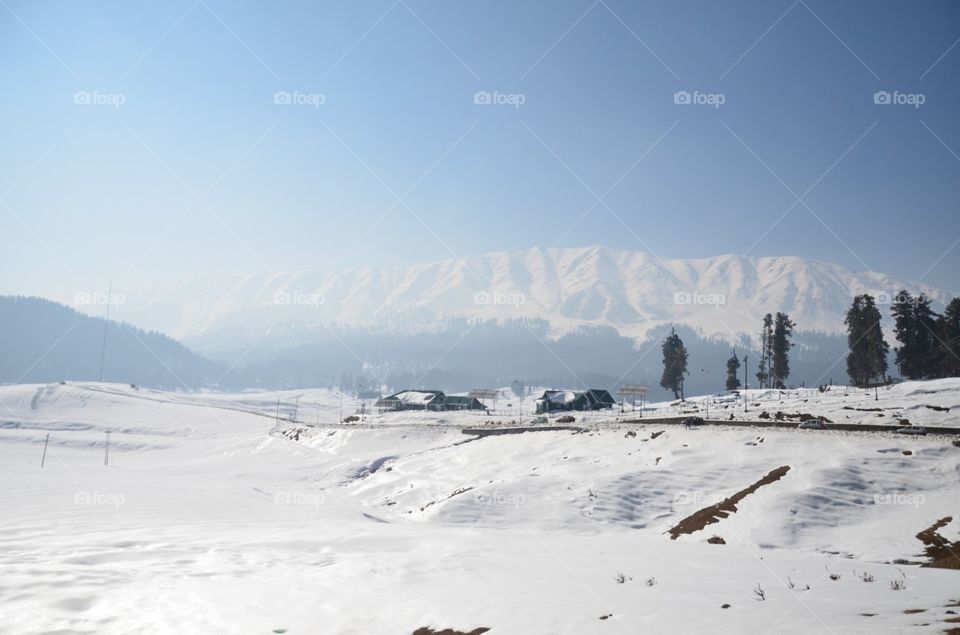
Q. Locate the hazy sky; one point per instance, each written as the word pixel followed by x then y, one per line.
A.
pixel 144 141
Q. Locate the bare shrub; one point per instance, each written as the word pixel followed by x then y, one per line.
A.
pixel 760 593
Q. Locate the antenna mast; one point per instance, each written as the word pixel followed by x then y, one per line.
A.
pixel 106 323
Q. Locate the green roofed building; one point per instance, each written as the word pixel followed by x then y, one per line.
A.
pixel 565 400
pixel 427 400
pixel 458 402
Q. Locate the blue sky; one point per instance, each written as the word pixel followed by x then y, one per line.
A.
pixel 198 169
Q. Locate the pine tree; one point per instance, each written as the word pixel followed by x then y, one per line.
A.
pixel 927 343
pixel 674 364
pixel 949 329
pixel 915 326
pixel 867 360
pixel 903 329
pixel 733 366
pixel 783 330
pixel 766 346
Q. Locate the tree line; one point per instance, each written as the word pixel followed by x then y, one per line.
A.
pixel 928 346
pixel 774 362
pixel 929 343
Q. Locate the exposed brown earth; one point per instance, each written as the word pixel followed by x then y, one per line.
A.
pixel 714 513
pixel 799 416
pixel 943 554
pixel 456 492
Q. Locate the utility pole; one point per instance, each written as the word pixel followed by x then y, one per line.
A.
pixel 106 323
pixel 43 459
pixel 745 386
pixel 106 450
pixel 707 400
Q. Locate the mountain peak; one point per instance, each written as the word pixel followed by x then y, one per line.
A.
pixel 569 287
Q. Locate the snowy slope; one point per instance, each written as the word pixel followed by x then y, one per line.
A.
pixel 570 287
pixel 214 517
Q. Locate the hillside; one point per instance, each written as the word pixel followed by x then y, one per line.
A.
pixel 45 341
pixel 210 508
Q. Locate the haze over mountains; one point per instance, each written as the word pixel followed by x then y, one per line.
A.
pixel 560 317
pixel 631 292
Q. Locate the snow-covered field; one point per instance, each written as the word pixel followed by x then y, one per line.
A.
pixel 213 517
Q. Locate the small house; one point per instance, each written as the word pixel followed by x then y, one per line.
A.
pixel 458 402
pixel 580 400
pixel 427 400
pixel 410 400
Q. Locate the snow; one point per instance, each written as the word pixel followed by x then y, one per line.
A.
pixel 212 518
pixel 928 403
pixel 414 397
pixel 562 397
pixel 629 291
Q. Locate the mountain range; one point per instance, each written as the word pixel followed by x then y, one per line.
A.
pixel 630 292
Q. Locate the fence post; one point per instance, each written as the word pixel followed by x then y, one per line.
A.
pixel 43 459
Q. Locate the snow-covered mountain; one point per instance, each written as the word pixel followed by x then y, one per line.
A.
pixel 570 287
